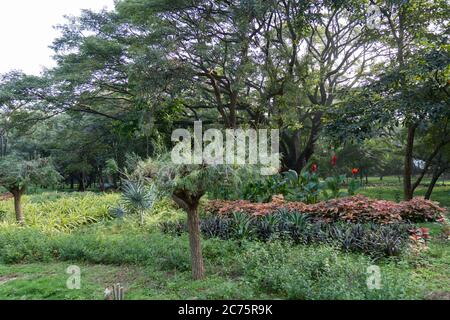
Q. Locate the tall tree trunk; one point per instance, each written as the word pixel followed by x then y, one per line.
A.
pixel 408 165
pixel 17 193
pixel 198 270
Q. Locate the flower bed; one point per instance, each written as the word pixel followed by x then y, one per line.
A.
pixel 351 209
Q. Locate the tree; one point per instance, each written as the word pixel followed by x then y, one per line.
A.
pixel 420 77
pixel 415 112
pixel 186 184
pixel 17 174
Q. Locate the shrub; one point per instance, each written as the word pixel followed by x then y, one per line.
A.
pixel 352 209
pixel 263 190
pixel 3 214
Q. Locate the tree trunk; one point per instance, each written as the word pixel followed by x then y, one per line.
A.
pixel 198 270
pixel 434 179
pixel 407 185
pixel 81 185
pixel 190 205
pixel 17 193
pixel 101 183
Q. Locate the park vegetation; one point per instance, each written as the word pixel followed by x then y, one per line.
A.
pixel 361 101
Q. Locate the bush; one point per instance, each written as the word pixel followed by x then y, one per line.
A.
pixel 351 209
pixel 262 269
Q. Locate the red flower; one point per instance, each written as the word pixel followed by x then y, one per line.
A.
pixel 333 161
pixel 314 168
pixel 355 171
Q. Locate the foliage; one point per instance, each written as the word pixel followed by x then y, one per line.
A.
pixel 263 190
pixel 239 269
pixel 269 270
pixel 352 209
pixel 305 187
pixel 137 198
pixel 64 214
pixel 371 239
pixel 317 272
pixel 17 173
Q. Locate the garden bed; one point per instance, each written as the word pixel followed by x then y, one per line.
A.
pixel 350 209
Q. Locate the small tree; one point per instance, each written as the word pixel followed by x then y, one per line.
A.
pixel 17 174
pixel 187 184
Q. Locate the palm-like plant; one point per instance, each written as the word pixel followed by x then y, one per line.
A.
pixel 138 198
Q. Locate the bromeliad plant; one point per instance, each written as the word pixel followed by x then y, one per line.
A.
pixel 372 239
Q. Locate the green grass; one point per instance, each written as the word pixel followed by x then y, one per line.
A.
pixel 395 193
pixel 395 180
pixel 39 281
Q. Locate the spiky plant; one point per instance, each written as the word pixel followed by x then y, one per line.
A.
pixel 138 198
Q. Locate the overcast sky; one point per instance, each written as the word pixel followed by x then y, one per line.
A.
pixel 26 30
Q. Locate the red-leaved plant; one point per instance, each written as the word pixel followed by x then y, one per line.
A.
pixel 352 209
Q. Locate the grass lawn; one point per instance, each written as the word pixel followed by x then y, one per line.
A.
pixel 395 193
pixel 48 281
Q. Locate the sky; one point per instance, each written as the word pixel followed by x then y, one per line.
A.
pixel 26 30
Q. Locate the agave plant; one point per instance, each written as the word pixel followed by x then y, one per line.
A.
pixel 137 198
